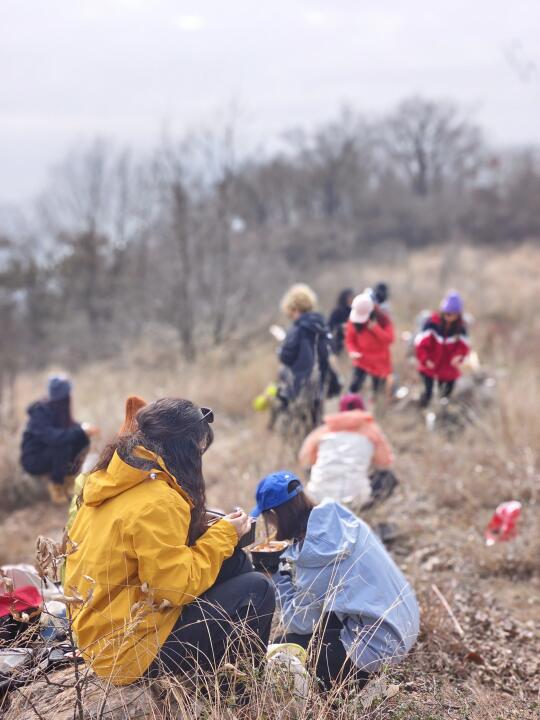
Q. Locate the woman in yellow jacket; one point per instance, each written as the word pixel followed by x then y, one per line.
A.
pixel 159 590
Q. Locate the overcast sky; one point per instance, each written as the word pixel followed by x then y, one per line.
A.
pixel 71 70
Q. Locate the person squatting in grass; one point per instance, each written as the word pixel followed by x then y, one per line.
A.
pixel 441 348
pixel 166 592
pixel 341 453
pixel 53 443
pixel 368 337
pixel 346 599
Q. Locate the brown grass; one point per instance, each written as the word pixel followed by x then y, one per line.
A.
pixel 449 488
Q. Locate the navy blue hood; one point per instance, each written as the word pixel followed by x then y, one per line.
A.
pixel 313 322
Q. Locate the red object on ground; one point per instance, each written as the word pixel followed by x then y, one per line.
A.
pixel 503 524
pixel 20 600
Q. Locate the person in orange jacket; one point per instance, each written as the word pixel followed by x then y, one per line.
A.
pixel 341 453
pixel 160 590
pixel 368 337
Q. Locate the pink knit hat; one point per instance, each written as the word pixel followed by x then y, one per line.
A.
pixel 362 307
pixel 351 401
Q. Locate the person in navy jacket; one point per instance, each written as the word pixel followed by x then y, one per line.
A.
pixel 306 348
pixel 53 444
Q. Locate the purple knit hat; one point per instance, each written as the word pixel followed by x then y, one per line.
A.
pixel 452 303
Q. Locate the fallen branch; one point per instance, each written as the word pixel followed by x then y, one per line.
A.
pixel 446 606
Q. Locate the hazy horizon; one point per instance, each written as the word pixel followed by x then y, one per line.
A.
pixel 125 69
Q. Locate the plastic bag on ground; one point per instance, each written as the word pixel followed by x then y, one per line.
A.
pixel 286 664
pixel 503 524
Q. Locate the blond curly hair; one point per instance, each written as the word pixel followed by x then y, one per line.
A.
pixel 299 298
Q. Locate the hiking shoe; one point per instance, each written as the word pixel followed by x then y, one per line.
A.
pixel 383 483
pixel 57 494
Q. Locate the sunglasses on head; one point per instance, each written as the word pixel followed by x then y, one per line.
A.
pixel 207 415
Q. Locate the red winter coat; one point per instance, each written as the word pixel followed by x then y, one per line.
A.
pixel 373 344
pixel 441 344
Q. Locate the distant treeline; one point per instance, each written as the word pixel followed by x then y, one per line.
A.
pixel 202 239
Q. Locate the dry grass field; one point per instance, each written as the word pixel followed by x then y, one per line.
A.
pixel 449 486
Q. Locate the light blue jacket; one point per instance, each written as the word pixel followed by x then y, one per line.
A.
pixel 342 567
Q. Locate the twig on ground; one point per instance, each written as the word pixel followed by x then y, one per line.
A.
pixel 446 606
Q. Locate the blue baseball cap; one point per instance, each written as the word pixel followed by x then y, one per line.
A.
pixel 272 491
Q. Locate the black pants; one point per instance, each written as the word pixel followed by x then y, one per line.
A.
pixel 359 377
pixel 58 461
pixel 329 656
pixel 232 619
pixel 445 389
pixel 383 483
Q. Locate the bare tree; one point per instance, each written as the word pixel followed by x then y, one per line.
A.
pixel 172 173
pixel 433 145
pixel 76 210
pixel 337 165
pixel 90 212
pixel 219 157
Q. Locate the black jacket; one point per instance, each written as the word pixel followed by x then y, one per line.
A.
pixel 307 341
pixel 42 433
pixel 337 321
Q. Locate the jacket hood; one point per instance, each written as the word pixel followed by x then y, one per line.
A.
pixel 351 420
pixel 333 533
pixel 119 476
pixel 313 322
pixel 35 406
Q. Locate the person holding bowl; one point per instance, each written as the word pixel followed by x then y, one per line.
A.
pixel 345 599
pixel 157 589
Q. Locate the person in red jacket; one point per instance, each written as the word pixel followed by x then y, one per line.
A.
pixel 368 337
pixel 441 348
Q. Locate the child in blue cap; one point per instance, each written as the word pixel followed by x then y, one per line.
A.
pixel 345 590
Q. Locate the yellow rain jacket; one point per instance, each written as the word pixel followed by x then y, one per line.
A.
pixel 133 567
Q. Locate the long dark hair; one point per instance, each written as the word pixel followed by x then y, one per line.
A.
pixel 61 410
pixel 175 430
pixel 291 518
pixel 343 297
pixel 457 325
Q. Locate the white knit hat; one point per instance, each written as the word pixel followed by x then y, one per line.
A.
pixel 361 309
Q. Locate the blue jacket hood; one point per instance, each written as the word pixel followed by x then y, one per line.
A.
pixel 333 534
pixel 342 567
